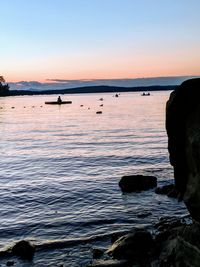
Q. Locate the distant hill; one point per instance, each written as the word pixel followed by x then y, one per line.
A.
pixel 93 89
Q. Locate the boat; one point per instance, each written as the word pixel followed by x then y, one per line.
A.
pixel 145 94
pixel 57 102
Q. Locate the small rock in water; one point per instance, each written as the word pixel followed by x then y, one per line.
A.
pixel 134 183
pixel 24 249
pixel 99 112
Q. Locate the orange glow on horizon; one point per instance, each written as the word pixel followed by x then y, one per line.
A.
pixel 130 63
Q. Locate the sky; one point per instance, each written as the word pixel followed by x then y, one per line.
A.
pixel 47 40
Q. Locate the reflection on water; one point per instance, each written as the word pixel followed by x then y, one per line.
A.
pixel 60 165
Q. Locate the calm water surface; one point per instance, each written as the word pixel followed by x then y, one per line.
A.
pixel 60 167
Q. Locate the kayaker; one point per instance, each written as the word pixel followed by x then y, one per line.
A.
pixel 59 100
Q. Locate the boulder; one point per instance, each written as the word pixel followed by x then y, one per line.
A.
pixel 135 246
pixel 134 183
pixel 24 250
pixel 183 129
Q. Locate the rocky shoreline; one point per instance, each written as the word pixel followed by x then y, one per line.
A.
pixel 145 244
pixel 144 248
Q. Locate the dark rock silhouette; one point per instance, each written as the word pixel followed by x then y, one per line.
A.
pixel 183 129
pixel 24 250
pixel 134 183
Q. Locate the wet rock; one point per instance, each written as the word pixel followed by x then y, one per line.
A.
pixel 110 263
pixel 168 190
pixel 134 183
pixel 23 249
pixel 136 246
pixel 183 129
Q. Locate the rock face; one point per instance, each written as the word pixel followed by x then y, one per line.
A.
pixel 134 183
pixel 183 129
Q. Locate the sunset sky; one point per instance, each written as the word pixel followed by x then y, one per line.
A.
pixel 98 39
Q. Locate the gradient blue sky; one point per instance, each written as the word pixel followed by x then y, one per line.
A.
pixel 98 39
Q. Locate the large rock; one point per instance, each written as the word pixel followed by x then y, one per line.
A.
pixel 136 246
pixel 134 183
pixel 183 129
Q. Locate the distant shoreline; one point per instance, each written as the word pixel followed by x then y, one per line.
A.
pixel 93 89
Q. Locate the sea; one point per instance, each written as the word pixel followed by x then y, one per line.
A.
pixel 60 166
